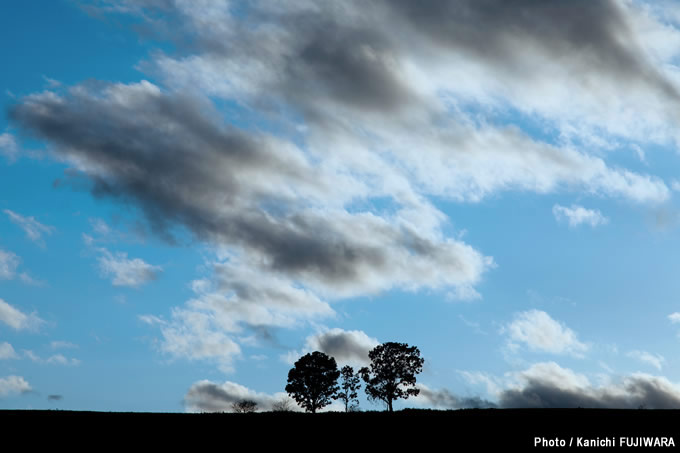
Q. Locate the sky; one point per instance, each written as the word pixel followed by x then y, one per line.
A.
pixel 194 194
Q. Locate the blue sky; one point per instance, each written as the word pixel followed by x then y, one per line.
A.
pixel 194 194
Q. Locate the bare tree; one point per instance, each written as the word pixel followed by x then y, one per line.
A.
pixel 244 406
pixel 282 405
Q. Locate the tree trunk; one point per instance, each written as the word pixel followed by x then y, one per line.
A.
pixel 389 404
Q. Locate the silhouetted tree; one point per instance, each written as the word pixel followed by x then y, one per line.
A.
pixel 282 405
pixel 349 385
pixel 244 406
pixel 312 382
pixel 392 374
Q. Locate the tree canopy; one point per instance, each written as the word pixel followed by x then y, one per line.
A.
pixel 392 374
pixel 312 382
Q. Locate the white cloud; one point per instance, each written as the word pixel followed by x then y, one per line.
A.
pixel 55 359
pixel 674 317
pixel 238 298
pixel 32 356
pixel 540 333
pixel 8 265
pixel 675 185
pixel 126 272
pixel 34 230
pixel 100 227
pixel 58 344
pixel 8 146
pixel 195 335
pixel 493 384
pixel 18 320
pixel 7 351
pixel 9 262
pixel 59 359
pixel 655 360
pixel 13 384
pixel 28 280
pixel 577 215
pixel 552 373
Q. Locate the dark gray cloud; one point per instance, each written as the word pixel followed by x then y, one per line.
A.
pixel 634 392
pixel 587 36
pixel 168 154
pixel 365 79
pixel 346 346
pixel 353 65
pixel 336 105
pixel 355 55
pixel 55 397
pixel 444 399
pixel 207 396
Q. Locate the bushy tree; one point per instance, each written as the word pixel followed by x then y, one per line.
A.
pixel 349 385
pixel 392 374
pixel 312 382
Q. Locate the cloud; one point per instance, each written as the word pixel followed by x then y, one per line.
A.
pixel 59 359
pixel 7 351
pixel 207 396
pixel 32 356
pixel 34 230
pixel 195 336
pixel 655 360
pixel 55 359
pixel 540 333
pixel 8 265
pixel 237 298
pixel 492 384
pixel 17 320
pixel 674 317
pixel 12 385
pixel 250 191
pixel 475 326
pixel 608 54
pixel 444 399
pixel 547 385
pixel 577 215
pixel 351 76
pixel 346 346
pixel 58 344
pixel 8 146
pixel 126 272
pixel 9 262
pixel 100 227
pixel 54 397
pixel 321 182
